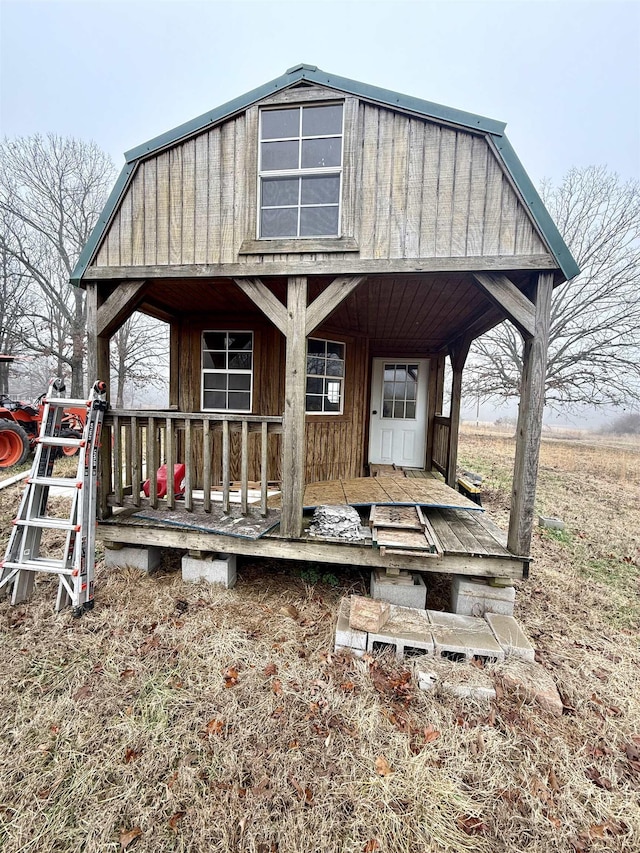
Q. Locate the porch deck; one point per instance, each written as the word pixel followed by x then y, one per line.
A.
pixel 471 543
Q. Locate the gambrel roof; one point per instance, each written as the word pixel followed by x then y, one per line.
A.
pixel 308 74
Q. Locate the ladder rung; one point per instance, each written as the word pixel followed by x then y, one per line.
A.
pixel 52 566
pixel 48 523
pixel 65 402
pixel 63 482
pixel 58 441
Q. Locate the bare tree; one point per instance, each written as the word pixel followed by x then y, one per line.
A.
pixel 139 355
pixel 594 341
pixel 52 191
pixel 14 303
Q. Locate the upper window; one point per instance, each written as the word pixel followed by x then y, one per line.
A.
pixel 227 371
pixel 300 171
pixel 325 377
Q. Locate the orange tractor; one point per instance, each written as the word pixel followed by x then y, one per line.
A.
pixel 20 427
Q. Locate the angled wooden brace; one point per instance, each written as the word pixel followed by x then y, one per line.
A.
pixel 503 293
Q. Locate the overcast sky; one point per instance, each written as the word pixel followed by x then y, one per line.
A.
pixel 564 76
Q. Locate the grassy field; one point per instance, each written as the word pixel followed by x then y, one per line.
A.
pixel 176 717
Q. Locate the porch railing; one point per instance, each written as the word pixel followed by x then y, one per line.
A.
pixel 220 452
pixel 441 430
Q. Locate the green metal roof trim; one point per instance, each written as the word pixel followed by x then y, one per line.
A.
pixel 312 74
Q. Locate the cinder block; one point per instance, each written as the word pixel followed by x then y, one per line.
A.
pixel 347 637
pixel 407 628
pixel 469 691
pixel 471 597
pixel 511 637
pixel 357 653
pixel 463 637
pixel 550 523
pixel 397 591
pixel 146 559
pixel 215 568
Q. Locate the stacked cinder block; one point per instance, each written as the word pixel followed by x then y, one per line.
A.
pixel 410 630
pixel 475 597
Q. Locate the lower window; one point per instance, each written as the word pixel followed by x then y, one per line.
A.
pixel 227 371
pixel 325 377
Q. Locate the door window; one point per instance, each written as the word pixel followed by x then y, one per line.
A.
pixel 399 391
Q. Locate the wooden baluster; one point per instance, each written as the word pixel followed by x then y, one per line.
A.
pixel 117 460
pixel 206 463
pixel 135 461
pixel 226 478
pixel 127 454
pixel 169 439
pixel 264 472
pixel 188 483
pixel 152 462
pixel 244 469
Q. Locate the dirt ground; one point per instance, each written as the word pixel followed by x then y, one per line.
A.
pixel 179 717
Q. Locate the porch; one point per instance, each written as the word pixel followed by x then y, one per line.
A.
pixel 229 498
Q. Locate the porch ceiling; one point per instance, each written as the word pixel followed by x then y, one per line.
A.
pixel 415 314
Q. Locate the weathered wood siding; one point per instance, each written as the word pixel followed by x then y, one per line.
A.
pixel 335 443
pixel 417 190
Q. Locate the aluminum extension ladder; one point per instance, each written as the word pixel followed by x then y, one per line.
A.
pixel 76 565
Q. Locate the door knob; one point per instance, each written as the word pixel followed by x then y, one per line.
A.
pixel 374 412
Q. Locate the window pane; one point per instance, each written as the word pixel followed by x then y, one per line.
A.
pixel 215 340
pixel 277 124
pixel 318 221
pixel 239 382
pixel 318 189
pixel 316 153
pixel 411 410
pixel 279 191
pixel 315 347
pixel 388 390
pixel 239 400
pixel 411 389
pixel 279 222
pixel 240 340
pixel 280 155
pixel 314 404
pixel 335 366
pixel 386 410
pixel 398 409
pixel 399 390
pixel 315 366
pixel 336 349
pixel 389 373
pixel 333 391
pixel 314 386
pixel 215 400
pixel 320 121
pixel 215 381
pixel 217 360
pixel 401 372
pixel 239 361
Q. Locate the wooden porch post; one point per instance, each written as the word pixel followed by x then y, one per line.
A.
pixel 98 364
pixel 293 440
pixel 458 353
pixel 534 366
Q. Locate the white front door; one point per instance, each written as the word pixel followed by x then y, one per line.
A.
pixel 397 430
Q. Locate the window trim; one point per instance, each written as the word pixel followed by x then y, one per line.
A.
pixel 226 371
pixel 300 172
pixel 343 379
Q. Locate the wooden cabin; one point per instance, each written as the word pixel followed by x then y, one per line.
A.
pixel 319 247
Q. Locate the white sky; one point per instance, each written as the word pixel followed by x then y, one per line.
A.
pixel 564 76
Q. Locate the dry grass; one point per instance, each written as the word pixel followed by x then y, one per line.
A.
pixel 123 720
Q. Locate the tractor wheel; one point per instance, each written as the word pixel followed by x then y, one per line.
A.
pixel 14 444
pixel 70 433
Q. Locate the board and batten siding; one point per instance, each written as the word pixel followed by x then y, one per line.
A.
pixel 421 190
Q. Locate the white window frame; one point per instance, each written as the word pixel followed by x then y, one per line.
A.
pixel 300 172
pixel 324 376
pixel 226 371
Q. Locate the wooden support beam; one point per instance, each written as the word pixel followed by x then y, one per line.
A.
pixel 330 298
pixel 99 367
pixel 458 352
pixel 529 426
pixel 119 306
pixel 293 440
pixel 266 301
pixel 503 293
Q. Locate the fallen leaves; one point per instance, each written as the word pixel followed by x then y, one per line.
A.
pixel 175 819
pixel 593 774
pixel 383 768
pixel 128 836
pixel 305 795
pixel 276 686
pixel 270 669
pixel 215 726
pixel 82 693
pixel 290 610
pixel 471 824
pixel 230 676
pixel 131 755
